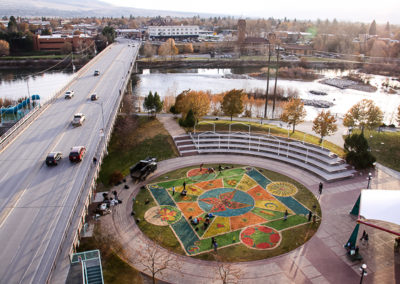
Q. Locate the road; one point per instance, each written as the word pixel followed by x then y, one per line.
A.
pixel 36 201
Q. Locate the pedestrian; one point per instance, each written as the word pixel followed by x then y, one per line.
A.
pixel 366 238
pixel 285 215
pixel 363 235
pixel 94 160
pixel 184 185
pixel 309 215
pixel 115 195
pixel 212 241
pixel 201 167
pixel 321 185
pixel 215 246
pixel 173 190
pixel 219 168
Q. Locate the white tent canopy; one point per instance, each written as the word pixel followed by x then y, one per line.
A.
pixel 381 205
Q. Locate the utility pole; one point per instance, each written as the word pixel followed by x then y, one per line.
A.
pixel 276 81
pixel 267 91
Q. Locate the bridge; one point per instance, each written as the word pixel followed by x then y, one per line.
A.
pixel 42 209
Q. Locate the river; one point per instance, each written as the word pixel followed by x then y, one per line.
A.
pixel 219 80
pixel 16 84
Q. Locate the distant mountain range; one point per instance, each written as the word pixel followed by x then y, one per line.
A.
pixel 79 8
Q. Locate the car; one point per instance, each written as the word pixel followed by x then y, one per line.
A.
pixel 77 153
pixel 94 97
pixel 53 158
pixel 78 119
pixel 69 94
pixel 96 73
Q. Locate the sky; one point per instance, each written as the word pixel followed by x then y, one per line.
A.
pixel 348 10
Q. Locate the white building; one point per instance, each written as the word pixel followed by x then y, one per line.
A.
pixel 173 31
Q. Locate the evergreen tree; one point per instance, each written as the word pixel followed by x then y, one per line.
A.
pixel 157 103
pixel 357 152
pixel 190 119
pixel 149 102
pixel 372 28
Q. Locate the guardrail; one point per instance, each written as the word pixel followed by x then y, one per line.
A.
pixel 101 150
pixel 20 126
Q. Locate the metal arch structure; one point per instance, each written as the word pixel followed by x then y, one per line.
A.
pixel 204 122
pixel 237 123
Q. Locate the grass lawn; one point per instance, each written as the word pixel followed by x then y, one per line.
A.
pixel 223 125
pixel 385 146
pixel 134 138
pixel 295 231
pixel 115 270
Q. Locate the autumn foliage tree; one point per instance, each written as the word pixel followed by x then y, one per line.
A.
pixel 168 48
pixel 324 124
pixel 197 101
pixel 233 102
pixel 4 47
pixel 293 112
pixel 364 114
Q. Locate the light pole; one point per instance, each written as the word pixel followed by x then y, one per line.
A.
pixel 369 178
pixel 363 270
pixel 102 130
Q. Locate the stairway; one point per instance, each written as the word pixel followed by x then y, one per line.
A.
pixel 94 275
pixel 185 145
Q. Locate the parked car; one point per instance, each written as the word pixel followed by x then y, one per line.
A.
pixel 69 94
pixel 143 168
pixel 77 153
pixel 53 158
pixel 78 119
pixel 94 97
pixel 96 73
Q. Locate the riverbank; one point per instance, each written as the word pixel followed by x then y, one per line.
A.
pixel 40 62
pixel 238 63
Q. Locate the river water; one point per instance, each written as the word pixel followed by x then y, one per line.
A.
pixel 220 80
pixel 17 84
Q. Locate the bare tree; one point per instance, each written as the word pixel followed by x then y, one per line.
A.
pixel 227 272
pixel 154 259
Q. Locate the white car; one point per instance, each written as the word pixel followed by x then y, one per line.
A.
pixel 78 119
pixel 69 94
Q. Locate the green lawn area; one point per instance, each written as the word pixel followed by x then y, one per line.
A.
pixel 134 138
pixel 223 125
pixel 385 146
pixel 293 235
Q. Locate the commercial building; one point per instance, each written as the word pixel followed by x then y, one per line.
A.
pixel 61 42
pixel 176 32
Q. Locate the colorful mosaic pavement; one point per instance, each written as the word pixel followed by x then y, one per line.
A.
pixel 246 207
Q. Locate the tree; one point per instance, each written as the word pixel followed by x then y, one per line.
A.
pixel 372 28
pixel 168 48
pixel 12 25
pixel 197 101
pixel 293 112
pixel 398 115
pixel 324 124
pixel 47 32
pixel 233 102
pixel 109 33
pixel 357 152
pixel 4 47
pixel 227 272
pixel 148 49
pixel 66 48
pixel 154 259
pixel 364 114
pixel 188 48
pixel 152 103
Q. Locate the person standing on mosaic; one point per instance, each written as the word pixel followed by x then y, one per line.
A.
pixel 184 185
pixel 173 190
pixel 321 185
pixel 285 215
pixel 309 215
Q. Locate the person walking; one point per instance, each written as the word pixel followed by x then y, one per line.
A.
pixel 309 215
pixel 173 190
pixel 285 215
pixel 201 167
pixel 363 235
pixel 215 246
pixel 366 238
pixel 321 185
pixel 184 185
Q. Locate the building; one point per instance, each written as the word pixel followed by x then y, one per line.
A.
pixel 176 32
pixel 60 42
pixel 129 33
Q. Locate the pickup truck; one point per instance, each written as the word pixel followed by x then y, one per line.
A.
pixel 143 168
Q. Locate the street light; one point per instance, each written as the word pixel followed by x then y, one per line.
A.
pixel 363 270
pixel 369 178
pixel 102 130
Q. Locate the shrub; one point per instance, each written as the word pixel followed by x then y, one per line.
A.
pixel 115 178
pixel 357 152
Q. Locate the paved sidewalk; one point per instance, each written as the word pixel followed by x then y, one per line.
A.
pixel 171 125
pixel 321 260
